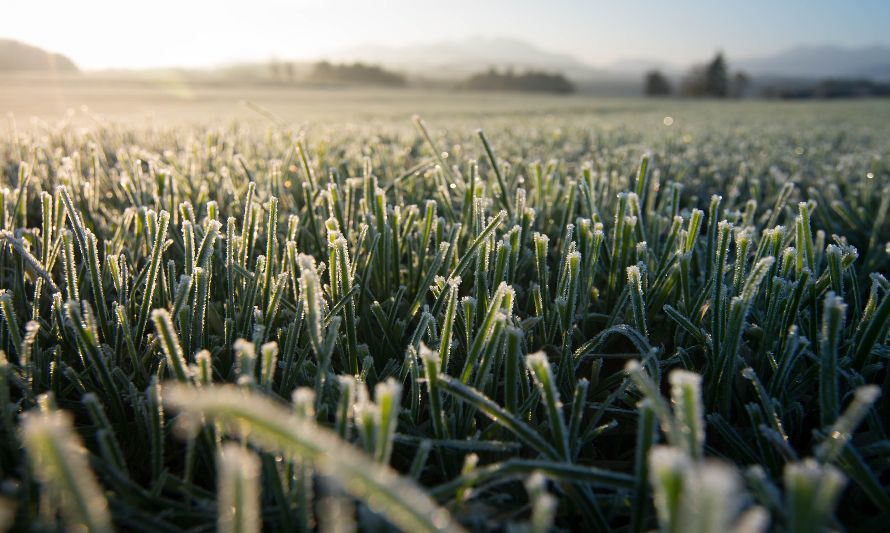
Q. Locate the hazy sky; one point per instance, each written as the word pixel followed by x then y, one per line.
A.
pixel 126 33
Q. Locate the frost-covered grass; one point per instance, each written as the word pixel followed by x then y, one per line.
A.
pixel 558 323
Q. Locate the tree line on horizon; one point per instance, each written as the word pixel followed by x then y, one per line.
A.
pixel 710 80
pixel 359 73
pixel 714 80
pixel 528 81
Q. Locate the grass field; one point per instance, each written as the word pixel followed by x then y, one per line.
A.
pixel 169 98
pixel 596 315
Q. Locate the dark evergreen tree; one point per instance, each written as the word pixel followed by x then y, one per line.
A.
pixel 656 84
pixel 717 77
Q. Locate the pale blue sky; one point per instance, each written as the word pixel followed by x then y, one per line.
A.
pixel 126 33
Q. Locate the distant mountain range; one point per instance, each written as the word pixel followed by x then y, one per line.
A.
pixel 458 58
pixel 448 59
pixel 824 61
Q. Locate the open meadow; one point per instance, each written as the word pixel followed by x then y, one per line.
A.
pixel 179 99
pixel 227 306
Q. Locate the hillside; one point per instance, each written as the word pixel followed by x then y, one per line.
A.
pixel 16 56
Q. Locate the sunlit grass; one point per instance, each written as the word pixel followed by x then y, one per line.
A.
pixel 551 324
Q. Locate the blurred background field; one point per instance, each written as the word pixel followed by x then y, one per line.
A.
pixel 30 99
